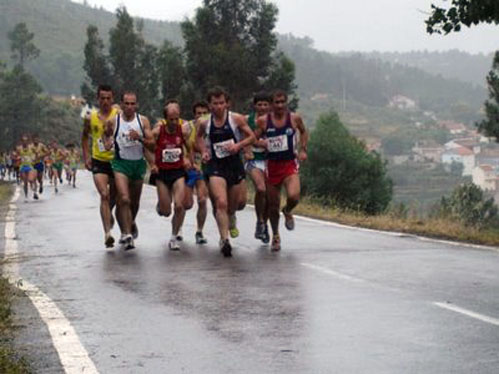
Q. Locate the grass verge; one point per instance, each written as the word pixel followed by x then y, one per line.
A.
pixel 437 228
pixel 10 362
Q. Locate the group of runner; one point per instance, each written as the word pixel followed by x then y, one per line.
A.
pixel 31 161
pixel 208 156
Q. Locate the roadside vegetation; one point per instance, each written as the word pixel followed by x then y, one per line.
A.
pixel 10 362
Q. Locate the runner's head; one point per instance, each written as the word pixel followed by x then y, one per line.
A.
pixel 218 101
pixel 279 102
pixel 172 113
pixel 105 97
pixel 200 109
pixel 261 103
pixel 129 103
pixel 25 139
pixel 36 139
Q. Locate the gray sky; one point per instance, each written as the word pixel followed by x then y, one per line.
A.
pixel 341 25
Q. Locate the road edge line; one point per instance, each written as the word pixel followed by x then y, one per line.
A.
pixel 468 313
pixel 72 355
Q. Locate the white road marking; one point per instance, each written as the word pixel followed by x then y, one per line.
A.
pixel 469 313
pixel 333 273
pixel 74 358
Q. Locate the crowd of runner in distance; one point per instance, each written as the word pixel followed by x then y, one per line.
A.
pixel 32 161
pixel 207 156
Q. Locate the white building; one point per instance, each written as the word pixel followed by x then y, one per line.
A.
pixel 460 155
pixel 484 176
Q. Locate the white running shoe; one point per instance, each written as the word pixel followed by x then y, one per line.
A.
pixel 173 244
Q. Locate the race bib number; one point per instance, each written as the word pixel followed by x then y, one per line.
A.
pixel 102 147
pixel 221 148
pixel 278 143
pixel 127 141
pixel 171 155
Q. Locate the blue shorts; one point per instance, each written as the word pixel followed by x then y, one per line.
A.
pixel 192 177
pixel 39 167
pixel 25 169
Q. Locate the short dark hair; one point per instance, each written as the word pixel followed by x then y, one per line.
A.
pixel 104 87
pixel 127 92
pixel 262 96
pixel 217 91
pixel 279 93
pixel 199 104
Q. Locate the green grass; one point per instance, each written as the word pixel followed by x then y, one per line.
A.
pixel 10 362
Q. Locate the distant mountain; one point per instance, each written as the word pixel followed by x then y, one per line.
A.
pixel 453 64
pixel 60 33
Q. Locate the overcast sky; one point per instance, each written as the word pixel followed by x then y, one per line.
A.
pixel 341 25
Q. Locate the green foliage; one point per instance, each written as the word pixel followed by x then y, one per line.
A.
pixel 341 170
pixel 462 12
pixel 468 204
pixel 397 144
pixel 171 71
pixel 21 44
pixel 490 126
pixel 231 43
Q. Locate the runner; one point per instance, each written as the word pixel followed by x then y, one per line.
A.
pixel 16 162
pixel 74 160
pixel 227 133
pixel 3 165
pixel 40 152
pixel 57 154
pixel 255 166
pixel 98 161
pixel 129 131
pixel 281 128
pixel 170 136
pixel 195 179
pixel 27 157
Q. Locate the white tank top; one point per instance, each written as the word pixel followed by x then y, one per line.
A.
pixel 126 148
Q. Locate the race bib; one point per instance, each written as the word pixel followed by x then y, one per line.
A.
pixel 221 148
pixel 127 141
pixel 278 143
pixel 171 155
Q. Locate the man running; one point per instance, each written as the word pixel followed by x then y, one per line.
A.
pixel 255 166
pixel 227 133
pixel 195 179
pixel 171 161
pixel 128 131
pixel 40 152
pixel 74 160
pixel 27 171
pixel 57 154
pixel 281 127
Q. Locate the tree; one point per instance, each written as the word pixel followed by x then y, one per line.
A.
pixel 96 65
pixel 171 70
pixel 231 43
pixel 469 13
pixel 462 12
pixel 21 44
pixel 340 169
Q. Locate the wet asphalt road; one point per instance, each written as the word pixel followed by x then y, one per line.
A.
pixel 335 300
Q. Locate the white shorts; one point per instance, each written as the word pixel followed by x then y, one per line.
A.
pixel 255 164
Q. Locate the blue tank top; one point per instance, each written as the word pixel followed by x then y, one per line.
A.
pixel 281 140
pixel 221 137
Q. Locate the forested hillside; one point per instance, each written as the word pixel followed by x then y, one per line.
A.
pixel 59 27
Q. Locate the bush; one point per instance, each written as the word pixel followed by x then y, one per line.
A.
pixel 341 170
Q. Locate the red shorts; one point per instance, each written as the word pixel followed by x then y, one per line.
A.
pixel 277 171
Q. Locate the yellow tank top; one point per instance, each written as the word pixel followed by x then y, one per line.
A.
pixel 27 155
pixel 191 142
pixel 40 151
pixel 99 152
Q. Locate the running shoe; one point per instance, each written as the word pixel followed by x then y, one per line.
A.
pixel 135 231
pixel 200 239
pixel 40 190
pixel 180 237
pixel 276 243
pixel 35 196
pixel 109 240
pixel 259 230
pixel 265 235
pixel 225 248
pixel 173 244
pixel 129 244
pixel 158 210
pixel 289 221
pixel 122 239
pixel 233 231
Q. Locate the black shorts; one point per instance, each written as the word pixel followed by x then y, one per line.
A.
pixel 102 167
pixel 168 177
pixel 232 170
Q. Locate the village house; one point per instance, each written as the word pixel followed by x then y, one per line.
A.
pixel 455 128
pixel 461 155
pixel 402 102
pixel 485 177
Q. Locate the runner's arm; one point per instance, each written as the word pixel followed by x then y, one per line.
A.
pixel 85 148
pixel 200 134
pixel 300 126
pixel 249 136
